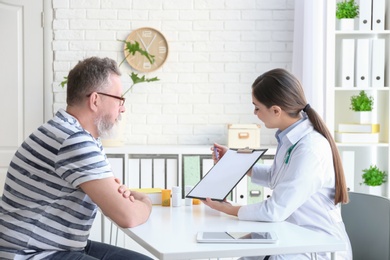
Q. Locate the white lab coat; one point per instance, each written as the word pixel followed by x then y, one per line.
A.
pixel 303 188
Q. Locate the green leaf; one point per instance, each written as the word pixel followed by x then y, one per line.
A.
pixel 362 102
pixel 64 82
pixel 347 9
pixel 132 48
pixel 136 79
pixel 373 176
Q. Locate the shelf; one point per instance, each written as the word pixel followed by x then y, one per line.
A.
pixel 355 45
pixel 368 33
pixel 373 145
pixel 386 88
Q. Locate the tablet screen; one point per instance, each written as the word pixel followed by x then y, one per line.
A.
pixel 250 235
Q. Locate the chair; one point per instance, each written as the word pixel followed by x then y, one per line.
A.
pixel 367 221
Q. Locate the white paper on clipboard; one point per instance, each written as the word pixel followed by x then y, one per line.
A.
pixel 225 174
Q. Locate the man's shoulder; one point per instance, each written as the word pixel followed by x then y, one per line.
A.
pixel 63 126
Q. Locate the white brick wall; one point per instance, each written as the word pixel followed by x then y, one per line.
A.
pixel 217 48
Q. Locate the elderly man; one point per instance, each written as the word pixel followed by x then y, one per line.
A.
pixel 60 176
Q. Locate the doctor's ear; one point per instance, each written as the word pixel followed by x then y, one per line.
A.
pixel 276 110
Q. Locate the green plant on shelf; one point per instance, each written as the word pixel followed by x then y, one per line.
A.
pixel 347 9
pixel 362 102
pixel 373 176
pixel 132 49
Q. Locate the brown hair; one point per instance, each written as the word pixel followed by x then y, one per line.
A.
pixel 281 88
pixel 89 75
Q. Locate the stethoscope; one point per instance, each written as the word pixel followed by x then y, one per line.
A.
pixel 288 153
pixel 286 160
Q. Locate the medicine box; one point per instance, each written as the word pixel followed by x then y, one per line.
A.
pixel 243 135
pixel 153 193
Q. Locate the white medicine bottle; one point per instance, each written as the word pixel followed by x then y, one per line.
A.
pixel 176 196
pixel 188 201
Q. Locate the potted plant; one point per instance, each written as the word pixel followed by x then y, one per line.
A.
pixel 362 105
pixel 346 12
pixel 373 177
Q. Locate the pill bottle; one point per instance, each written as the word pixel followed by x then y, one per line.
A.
pixel 176 196
pixel 187 189
pixel 165 198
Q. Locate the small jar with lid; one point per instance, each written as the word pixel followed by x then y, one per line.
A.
pixel 176 196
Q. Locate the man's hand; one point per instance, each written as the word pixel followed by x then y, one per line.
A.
pixel 132 195
pixel 126 193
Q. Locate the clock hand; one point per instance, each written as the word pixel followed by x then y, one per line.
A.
pixel 142 41
pixel 147 48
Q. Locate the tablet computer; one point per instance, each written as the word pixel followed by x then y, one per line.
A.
pixel 225 174
pixel 260 237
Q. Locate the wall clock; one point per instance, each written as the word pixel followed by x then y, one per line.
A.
pixel 154 43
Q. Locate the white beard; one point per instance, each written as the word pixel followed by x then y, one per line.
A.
pixel 105 128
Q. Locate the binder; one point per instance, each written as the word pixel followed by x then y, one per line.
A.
pixel 159 169
pixel 364 20
pixel 356 137
pixel 146 176
pixel 117 167
pixel 378 15
pixel 362 64
pixel 347 62
pixel 134 173
pixel 225 174
pixel 378 63
pixel 172 173
pixel 358 128
pixel 241 191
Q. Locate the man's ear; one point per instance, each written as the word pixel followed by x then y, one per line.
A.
pixel 93 101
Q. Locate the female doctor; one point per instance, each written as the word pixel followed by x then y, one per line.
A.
pixel 306 176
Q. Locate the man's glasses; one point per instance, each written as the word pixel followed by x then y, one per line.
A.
pixel 122 99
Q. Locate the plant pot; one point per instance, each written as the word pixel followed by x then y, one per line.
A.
pixel 375 190
pixel 346 24
pixel 362 117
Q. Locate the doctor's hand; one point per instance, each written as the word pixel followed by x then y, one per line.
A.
pixel 218 151
pixel 223 206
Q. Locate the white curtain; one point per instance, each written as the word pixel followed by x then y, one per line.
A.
pixel 309 50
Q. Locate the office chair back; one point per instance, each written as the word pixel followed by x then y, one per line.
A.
pixel 367 221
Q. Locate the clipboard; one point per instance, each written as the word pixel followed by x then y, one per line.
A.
pixel 221 179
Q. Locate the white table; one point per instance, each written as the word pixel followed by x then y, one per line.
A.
pixel 170 233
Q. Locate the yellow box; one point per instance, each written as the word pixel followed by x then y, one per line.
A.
pixel 153 193
pixel 243 135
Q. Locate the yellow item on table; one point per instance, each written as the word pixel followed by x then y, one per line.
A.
pixel 166 198
pixel 154 194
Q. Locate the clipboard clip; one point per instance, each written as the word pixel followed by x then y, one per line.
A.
pixel 245 150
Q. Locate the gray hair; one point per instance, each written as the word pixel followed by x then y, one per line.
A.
pixel 89 75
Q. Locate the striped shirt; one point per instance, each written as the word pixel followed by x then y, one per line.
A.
pixel 43 210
